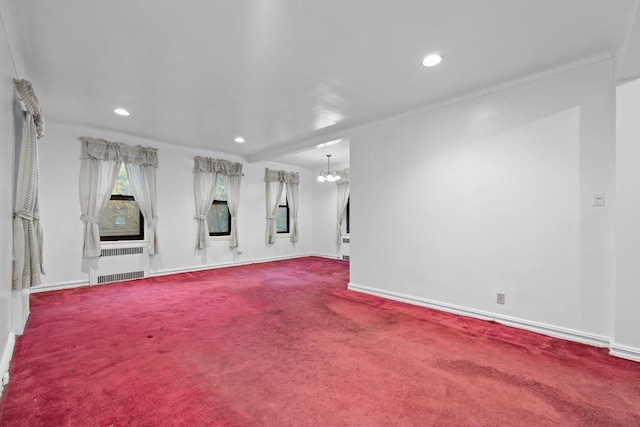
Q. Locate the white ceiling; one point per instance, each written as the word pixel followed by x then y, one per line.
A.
pixel 290 74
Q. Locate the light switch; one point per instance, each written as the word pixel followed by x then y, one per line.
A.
pixel 598 199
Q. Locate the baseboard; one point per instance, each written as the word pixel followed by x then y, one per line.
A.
pixel 328 256
pixel 165 272
pixel 625 352
pixel 58 286
pixel 80 283
pixel 5 362
pixel 541 328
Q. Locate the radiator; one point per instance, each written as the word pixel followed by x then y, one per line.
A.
pixel 344 248
pixel 120 263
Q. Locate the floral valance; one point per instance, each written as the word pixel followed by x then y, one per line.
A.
pixel 31 103
pixel 100 149
pixel 271 175
pixel 223 167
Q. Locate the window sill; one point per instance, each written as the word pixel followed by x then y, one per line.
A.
pixel 123 243
pixel 283 235
pixel 219 238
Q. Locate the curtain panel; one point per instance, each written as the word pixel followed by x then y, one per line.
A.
pixel 278 181
pixel 27 231
pixel 344 191
pixel 206 173
pixel 100 161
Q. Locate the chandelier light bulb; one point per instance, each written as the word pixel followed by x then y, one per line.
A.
pixel 328 176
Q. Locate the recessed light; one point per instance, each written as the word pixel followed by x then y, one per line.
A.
pixel 121 112
pixel 431 60
pixel 239 139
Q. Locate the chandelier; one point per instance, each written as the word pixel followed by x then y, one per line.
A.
pixel 327 176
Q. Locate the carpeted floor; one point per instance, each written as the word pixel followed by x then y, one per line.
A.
pixel 285 344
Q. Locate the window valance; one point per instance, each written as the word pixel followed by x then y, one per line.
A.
pixel 31 103
pixel 100 149
pixel 223 167
pixel 271 175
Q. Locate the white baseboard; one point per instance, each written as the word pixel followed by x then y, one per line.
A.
pixel 625 352
pixel 328 256
pixel 79 283
pixel 7 353
pixel 58 286
pixel 541 328
pixel 227 264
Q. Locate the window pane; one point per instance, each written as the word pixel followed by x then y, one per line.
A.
pixel 221 192
pixel 219 218
pixel 122 185
pixel 121 218
pixel 281 220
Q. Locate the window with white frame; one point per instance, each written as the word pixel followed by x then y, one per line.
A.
pixel 219 219
pixel 122 218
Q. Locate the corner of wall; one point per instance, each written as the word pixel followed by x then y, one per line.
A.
pixel 5 361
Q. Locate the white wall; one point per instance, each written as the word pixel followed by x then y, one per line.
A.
pixel 7 158
pixel 627 295
pixel 493 194
pixel 60 210
pixel 325 200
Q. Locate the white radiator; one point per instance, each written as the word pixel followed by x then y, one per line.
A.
pixel 120 263
pixel 344 248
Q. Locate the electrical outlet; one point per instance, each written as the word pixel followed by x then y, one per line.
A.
pixel 500 298
pixel 239 252
pixel 598 199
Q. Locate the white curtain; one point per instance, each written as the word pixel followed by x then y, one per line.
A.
pixel 292 200
pixel 204 192
pixel 101 161
pixel 27 231
pixel 232 185
pixel 275 184
pixel 143 186
pixel 274 191
pixel 97 178
pixel 344 190
pixel 206 173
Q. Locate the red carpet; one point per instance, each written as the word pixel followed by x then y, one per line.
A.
pixel 284 344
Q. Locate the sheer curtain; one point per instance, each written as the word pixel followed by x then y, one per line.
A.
pixel 143 186
pixel 204 191
pixel 232 184
pixel 27 232
pixel 101 160
pixel 206 173
pixel 275 184
pixel 292 200
pixel 344 190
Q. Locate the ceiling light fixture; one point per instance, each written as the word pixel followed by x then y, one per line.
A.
pixel 239 139
pixel 121 112
pixel 326 144
pixel 431 60
pixel 327 176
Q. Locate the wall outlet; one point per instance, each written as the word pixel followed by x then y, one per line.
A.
pixel 239 252
pixel 598 199
pixel 500 298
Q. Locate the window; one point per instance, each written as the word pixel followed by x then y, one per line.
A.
pixel 122 219
pixel 282 216
pixel 348 203
pixel 219 216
